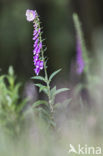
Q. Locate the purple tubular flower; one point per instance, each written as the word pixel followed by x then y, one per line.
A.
pixel 36 43
pixel 35 58
pixel 35 26
pixel 36 36
pixel 37 71
pixel 35 32
pixel 38 63
pixel 38 51
pixel 80 61
pixel 41 65
pixel 31 15
pixel 39 31
pixel 35 51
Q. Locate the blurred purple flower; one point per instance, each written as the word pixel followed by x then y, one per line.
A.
pixel 80 61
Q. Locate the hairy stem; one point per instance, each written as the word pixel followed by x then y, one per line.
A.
pixel 46 78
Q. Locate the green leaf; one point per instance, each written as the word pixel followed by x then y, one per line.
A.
pixel 53 91
pixel 41 87
pixel 53 74
pixel 22 105
pixel 52 123
pixel 11 71
pixel 45 112
pixel 16 89
pixel 2 78
pixel 45 91
pixel 61 90
pixel 39 78
pixel 27 112
pixel 40 102
pixel 63 104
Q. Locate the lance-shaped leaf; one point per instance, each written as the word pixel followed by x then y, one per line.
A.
pixel 44 112
pixel 53 91
pixel 11 71
pixel 61 90
pixel 22 105
pixel 2 77
pixel 41 87
pixel 39 102
pixel 54 74
pixel 63 104
pixel 39 78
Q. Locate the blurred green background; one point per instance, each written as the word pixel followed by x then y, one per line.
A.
pixel 56 17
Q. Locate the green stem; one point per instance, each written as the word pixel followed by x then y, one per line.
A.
pixel 46 78
pixel 48 87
